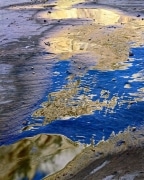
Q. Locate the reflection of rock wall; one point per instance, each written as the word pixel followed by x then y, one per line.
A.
pixel 43 153
pixel 103 16
pixel 106 37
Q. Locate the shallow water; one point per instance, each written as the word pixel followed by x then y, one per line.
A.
pixel 125 85
pixel 69 74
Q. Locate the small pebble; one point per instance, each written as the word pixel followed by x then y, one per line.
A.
pixel 24 122
pixel 68 72
pixel 113 79
pixel 47 43
pixel 131 53
pixel 133 129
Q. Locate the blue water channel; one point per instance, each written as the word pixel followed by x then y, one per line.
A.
pixel 100 124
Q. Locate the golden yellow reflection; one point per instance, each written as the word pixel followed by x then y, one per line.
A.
pixel 103 16
pixel 44 154
pixel 106 38
pixel 68 3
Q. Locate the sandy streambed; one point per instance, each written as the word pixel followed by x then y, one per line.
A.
pixel 91 37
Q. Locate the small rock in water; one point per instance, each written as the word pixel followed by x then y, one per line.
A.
pixel 113 79
pixel 68 72
pixel 127 85
pixel 131 53
pixel 24 122
pixel 133 129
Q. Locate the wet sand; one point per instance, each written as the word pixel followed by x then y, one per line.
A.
pixel 70 30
